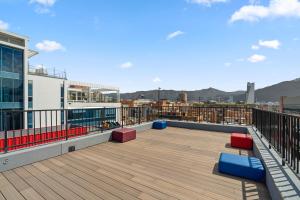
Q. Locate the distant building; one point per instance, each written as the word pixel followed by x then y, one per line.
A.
pixel 164 102
pixel 183 97
pixel 250 94
pixel 230 99
pixel 269 106
pixel 136 102
pixel 290 104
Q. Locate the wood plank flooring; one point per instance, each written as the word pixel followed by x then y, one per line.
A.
pixel 169 164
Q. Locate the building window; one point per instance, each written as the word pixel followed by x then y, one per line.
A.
pixel 18 61
pixel 11 81
pixel 12 60
pixel 12 90
pixel 7 90
pixel 7 59
pixel 29 120
pixel 18 91
pixel 30 94
pixel 11 119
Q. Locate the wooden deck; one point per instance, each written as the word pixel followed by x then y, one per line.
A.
pixel 169 164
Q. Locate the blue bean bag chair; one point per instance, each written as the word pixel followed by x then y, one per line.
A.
pixel 241 166
pixel 159 125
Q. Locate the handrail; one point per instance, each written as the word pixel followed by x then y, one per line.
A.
pixel 282 131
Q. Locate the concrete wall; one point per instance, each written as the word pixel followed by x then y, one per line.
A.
pixel 208 127
pixel 27 156
pixel 46 92
pixel 46 96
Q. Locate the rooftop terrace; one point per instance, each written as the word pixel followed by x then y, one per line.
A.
pixel 174 163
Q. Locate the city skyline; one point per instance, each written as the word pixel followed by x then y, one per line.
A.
pixel 183 45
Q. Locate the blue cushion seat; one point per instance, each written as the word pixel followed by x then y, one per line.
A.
pixel 159 125
pixel 241 166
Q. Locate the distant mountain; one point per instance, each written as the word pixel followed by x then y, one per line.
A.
pixel 268 94
pixel 274 92
pixel 205 94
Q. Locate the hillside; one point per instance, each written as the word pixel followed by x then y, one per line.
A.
pixel 274 92
pixel 271 93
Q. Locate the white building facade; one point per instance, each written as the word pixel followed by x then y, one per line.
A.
pixel 36 89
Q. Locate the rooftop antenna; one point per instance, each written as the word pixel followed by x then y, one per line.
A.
pixel 158 94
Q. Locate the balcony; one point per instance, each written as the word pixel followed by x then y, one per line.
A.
pixel 91 95
pixel 47 72
pixel 179 162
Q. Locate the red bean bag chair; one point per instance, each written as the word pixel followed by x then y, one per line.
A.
pixel 123 135
pixel 241 140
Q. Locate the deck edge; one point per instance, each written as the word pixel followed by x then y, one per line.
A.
pixel 31 155
pixel 281 182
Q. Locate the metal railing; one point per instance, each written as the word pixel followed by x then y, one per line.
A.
pixel 48 72
pixel 282 132
pixel 45 126
pixel 211 114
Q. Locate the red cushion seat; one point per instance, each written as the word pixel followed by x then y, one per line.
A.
pixel 241 140
pixel 123 135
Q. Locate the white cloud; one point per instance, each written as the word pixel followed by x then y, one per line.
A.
pixel 43 6
pixel 3 25
pixel 126 65
pixel 228 64
pixel 276 8
pixel 174 34
pixel 156 80
pixel 206 2
pixel 273 44
pixel 255 47
pixel 296 39
pixel 49 46
pixel 46 3
pixel 256 58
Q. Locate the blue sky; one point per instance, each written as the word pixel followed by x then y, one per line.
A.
pixel 172 44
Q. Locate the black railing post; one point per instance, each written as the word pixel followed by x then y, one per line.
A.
pixel 253 121
pixel 139 110
pixel 66 122
pixel 283 141
pixel 5 141
pixel 261 123
pixel 223 114
pixel 270 129
pixel 101 115
pixel 122 118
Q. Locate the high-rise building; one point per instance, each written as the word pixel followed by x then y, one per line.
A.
pixel 250 94
pixel 183 97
